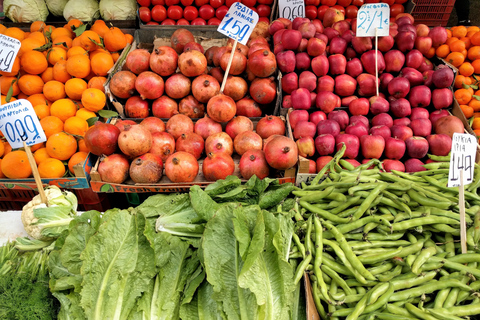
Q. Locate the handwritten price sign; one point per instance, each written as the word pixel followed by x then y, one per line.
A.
pixel 238 23
pixel 462 157
pixel 291 9
pixel 373 16
pixel 8 51
pixel 19 123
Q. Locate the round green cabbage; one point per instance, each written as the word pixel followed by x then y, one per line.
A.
pixel 56 7
pixel 83 10
pixel 118 9
pixel 25 10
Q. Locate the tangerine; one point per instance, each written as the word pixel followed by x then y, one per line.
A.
pixel 93 99
pixel 15 165
pixel 61 146
pixel 51 125
pixel 63 109
pixel 51 168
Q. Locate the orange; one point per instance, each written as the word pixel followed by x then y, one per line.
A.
pixel 78 157
pixel 2 176
pixel 51 125
pixel 40 155
pixel 15 165
pixel 51 168
pixel 451 40
pixel 37 26
pixel 56 54
pixel 82 146
pixel 15 68
pixel 460 80
pixel 75 50
pixel 33 62
pixel 60 72
pixel 473 53
pixel 2 149
pixel 463 96
pixel 22 95
pixel 476 124
pixel 54 90
pixel 63 42
pixel 63 109
pixel 473 28
pixel 459 31
pixel 455 58
pixel 73 24
pixel 16 33
pixel 78 66
pixel 467 41
pixel 466 69
pixel 75 87
pixel 475 104
pixel 76 42
pixel 114 40
pixel 48 29
pixel 2 28
pixel 75 125
pixel 93 99
pixel 100 28
pixel 88 39
pixel 39 98
pixel 30 84
pixel 58 32
pixel 85 114
pixel 101 63
pixel 467 110
pixel 457 46
pixel 42 111
pixel 4 100
pixel 6 83
pixel 47 75
pixel 40 37
pixel 61 146
pixel 97 82
pixel 7 147
pixel 29 44
pixel 475 38
pixel 115 56
pixel 476 66
pixel 443 51
pixel 37 146
pixel 92 54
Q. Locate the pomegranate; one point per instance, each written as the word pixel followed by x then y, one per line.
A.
pixel 217 73
pixel 270 125
pixel 192 63
pixel 204 87
pixel 217 166
pixel 263 90
pixel 221 108
pixel 262 63
pixel 243 49
pixel 178 86
pixel 209 53
pixel 148 168
pixel 180 38
pixel 219 142
pixel 163 145
pixel 102 138
pixel 153 124
pixel 218 55
pixel 239 62
pixel 281 153
pixel 193 46
pixel 252 163
pixel 134 141
pixel 235 87
pixel 257 47
pixel 190 107
pixel 238 125
pixel 164 107
pixel 248 107
pixel 181 167
pixel 179 124
pixel 192 143
pixel 114 168
pixel 266 141
pixel 122 124
pixel 206 127
pixel 136 107
pixel 122 84
pixel 150 85
pixel 164 61
pixel 247 140
pixel 138 61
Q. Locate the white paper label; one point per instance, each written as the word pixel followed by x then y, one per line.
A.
pixel 462 157
pixel 291 9
pixel 373 16
pixel 8 51
pixel 239 22
pixel 19 123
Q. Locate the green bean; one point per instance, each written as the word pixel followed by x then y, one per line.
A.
pixel 369 252
pixel 456 266
pixel 359 308
pixel 295 255
pixel 372 259
pixel 301 267
pixel 381 269
pixel 443 315
pixel 410 259
pixel 342 256
pixel 415 196
pixel 408 224
pixel 332 274
pixel 441 297
pixel 308 235
pixel 470 242
pixel 448 214
pixel 476 225
pixel 355 245
pixel 318 258
pixel 407 176
pixel 340 208
pixel 388 316
pixel 348 213
pixel 316 299
pixel 422 258
pixel 313 196
pixel 430 287
pixel 369 227
pixel 436 165
pixel 392 308
pixel 431 172
pixel 368 201
pixel 381 300
pixel 468 195
pixel 441 227
pixel 345 228
pixel 337 196
pixel 451 298
pixel 387 276
pixel 348 299
pixel 463 311
pixel 299 244
pixel 412 215
pixel 401 282
pixel 359 285
pixel 465 258
pixel 336 266
pixel 414 248
pixel 419 313
pixel 324 214
pixel 449 245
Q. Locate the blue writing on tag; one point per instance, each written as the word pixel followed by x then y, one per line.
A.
pixel 8 51
pixel 371 18
pixel 239 23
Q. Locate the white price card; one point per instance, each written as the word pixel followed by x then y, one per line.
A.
pixel 239 22
pixel 373 16
pixel 462 157
pixel 19 123
pixel 291 9
pixel 8 51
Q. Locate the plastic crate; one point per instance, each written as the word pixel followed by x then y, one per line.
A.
pixel 89 200
pixel 433 13
pixel 15 199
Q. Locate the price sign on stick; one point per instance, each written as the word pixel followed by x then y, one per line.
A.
pixel 291 9
pixel 19 124
pixel 373 16
pixel 462 158
pixel 8 51
pixel 238 23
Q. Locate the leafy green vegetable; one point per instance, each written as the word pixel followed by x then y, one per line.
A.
pixel 27 244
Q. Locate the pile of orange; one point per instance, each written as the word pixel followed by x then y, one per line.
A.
pixel 62 75
pixel 462 50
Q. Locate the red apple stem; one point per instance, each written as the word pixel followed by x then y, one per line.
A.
pixel 232 53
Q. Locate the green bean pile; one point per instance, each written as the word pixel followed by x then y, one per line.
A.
pixel 380 245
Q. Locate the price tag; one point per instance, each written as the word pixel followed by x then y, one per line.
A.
pixel 462 157
pixel 291 9
pixel 238 23
pixel 19 123
pixel 8 51
pixel 373 16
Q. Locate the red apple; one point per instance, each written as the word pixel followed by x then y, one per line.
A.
pixel 331 16
pixel 422 30
pixel 378 105
pixel 325 83
pixel 368 61
pixel 400 108
pixel 394 148
pixel 328 126
pixel 325 144
pixel 386 43
pixel 401 132
pixel 312 166
pixel 305 146
pixel 413 59
pixel 413 76
pixel 302 61
pixel 361 119
pixel 439 36
pixel 337 45
pixel 352 143
pixel 437 114
pixel 405 40
pixel 414 165
pixel 443 77
pixel 289 82
pixel 389 165
pixel 399 87
pixel 353 162
pixel 301 99
pixel 366 85
pixel 440 144
pixel 405 121
pixel 291 39
pixel 442 98
pixel 320 65
pixel 417 147
pixel 380 130
pixel 307 80
pixel 382 119
pixel 359 106
pixel 394 61
pixel 341 26
pixel 338 64
pixel 420 96
pixel 327 101
pixel 322 162
pixel 286 61
pixel 372 146
pixel 421 127
pixel 316 47
pixel 354 67
pixel 356 129
pixel 419 113
pixel 423 44
pixel 384 80
pixel 341 117
pixel 297 115
pixel 345 85
pixel 317 116
pixel 426 65
pixel 362 44
pixel 428 78
pixel 346 100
